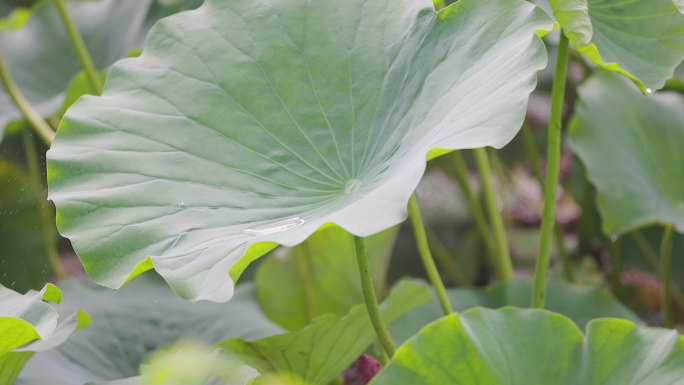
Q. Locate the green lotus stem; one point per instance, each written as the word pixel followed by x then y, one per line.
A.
pixel 305 276
pixel 503 261
pixel 615 258
pixel 533 153
pixel 652 258
pixel 458 168
pixel 666 276
pixel 552 172
pixel 370 298
pixel 445 259
pixel 80 47
pixel 36 121
pixel 674 84
pixel 426 255
pixel 47 232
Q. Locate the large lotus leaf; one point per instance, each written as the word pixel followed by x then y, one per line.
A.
pixel 642 39
pixel 514 346
pixel 250 122
pixel 23 255
pixel 40 56
pixel 323 349
pixel 130 324
pixel 29 325
pixel 324 268
pixel 580 304
pixel 631 146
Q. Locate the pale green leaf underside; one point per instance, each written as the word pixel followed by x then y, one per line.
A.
pixel 642 39
pixel 631 146
pixel 134 322
pixel 252 121
pixel 514 346
pixel 41 59
pixel 580 304
pixel 323 349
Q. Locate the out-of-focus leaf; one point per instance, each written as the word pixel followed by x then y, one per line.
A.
pixel 29 325
pixel 642 39
pixel 631 146
pixel 580 304
pixel 41 59
pixel 23 252
pixel 131 324
pixel 329 344
pixel 326 265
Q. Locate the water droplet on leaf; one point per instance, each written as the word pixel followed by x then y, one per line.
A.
pixel 275 227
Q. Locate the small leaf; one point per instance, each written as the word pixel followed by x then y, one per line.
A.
pixel 329 344
pixel 514 346
pixel 631 147
pixel 643 39
pixel 279 118
pixel 131 324
pixel 29 325
pixel 333 276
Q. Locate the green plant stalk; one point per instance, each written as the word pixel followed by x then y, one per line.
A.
pixel 552 172
pixel 47 232
pixel 445 259
pixel 652 258
pixel 457 165
pixel 80 47
pixel 305 277
pixel 533 153
pixel 615 257
pixel 370 298
pixel 32 116
pixel 426 255
pixel 666 276
pixel 503 262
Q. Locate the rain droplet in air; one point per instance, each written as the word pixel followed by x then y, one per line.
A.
pixel 275 227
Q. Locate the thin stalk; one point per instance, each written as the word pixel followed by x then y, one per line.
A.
pixel 426 255
pixel 47 232
pixel 503 261
pixel 652 258
pixel 305 277
pixel 80 47
pixel 552 172
pixel 533 153
pixel 459 169
pixel 666 276
pixel 615 258
pixel 370 298
pixel 35 120
pixel 445 259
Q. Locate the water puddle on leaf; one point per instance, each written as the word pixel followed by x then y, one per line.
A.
pixel 275 227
